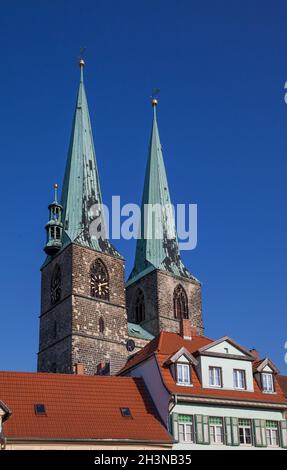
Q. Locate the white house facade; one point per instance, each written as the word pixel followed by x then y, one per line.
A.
pixel 212 394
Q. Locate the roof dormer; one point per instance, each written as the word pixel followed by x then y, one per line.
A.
pixel 265 371
pixel 181 364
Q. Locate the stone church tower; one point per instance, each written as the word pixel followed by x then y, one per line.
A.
pixel 160 290
pixel 83 317
pixel 83 321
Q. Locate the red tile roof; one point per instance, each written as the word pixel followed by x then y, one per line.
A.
pixel 282 379
pixel 167 344
pixel 79 407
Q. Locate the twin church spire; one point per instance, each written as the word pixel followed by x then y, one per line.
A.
pixel 81 196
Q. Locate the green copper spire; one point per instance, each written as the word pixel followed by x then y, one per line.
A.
pixel 154 252
pixel 81 188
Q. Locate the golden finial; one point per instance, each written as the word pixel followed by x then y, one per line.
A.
pixel 56 186
pixel 81 60
pixel 154 102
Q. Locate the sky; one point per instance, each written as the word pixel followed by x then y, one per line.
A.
pixel 221 67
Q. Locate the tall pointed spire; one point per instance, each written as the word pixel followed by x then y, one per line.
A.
pixel 158 247
pixel 81 189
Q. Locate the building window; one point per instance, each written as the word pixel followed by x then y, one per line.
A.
pixel 215 376
pixel 139 306
pixel 56 285
pixel 245 433
pixel 272 437
pixel 183 374
pixel 180 304
pixel 267 382
pixel 185 428
pixel 99 281
pixel 216 431
pixel 239 379
pixel 101 325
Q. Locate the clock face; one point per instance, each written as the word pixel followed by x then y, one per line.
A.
pixel 100 283
pixel 56 286
pixel 130 345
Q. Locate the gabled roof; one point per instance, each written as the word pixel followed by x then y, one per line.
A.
pixel 182 352
pixel 168 344
pixel 158 247
pixel 165 343
pixel 79 407
pixel 231 341
pixel 259 366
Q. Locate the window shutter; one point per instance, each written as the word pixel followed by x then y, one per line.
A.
pixel 228 431
pixel 263 432
pixel 205 430
pixel 174 425
pixel 283 433
pixel 199 429
pixel 235 432
pixel 259 432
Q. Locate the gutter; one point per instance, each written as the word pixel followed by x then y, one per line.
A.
pixel 83 441
pixel 226 401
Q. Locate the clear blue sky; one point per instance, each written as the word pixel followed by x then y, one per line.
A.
pixel 221 67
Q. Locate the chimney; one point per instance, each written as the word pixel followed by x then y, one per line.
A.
pixel 255 354
pixel 186 330
pixel 79 369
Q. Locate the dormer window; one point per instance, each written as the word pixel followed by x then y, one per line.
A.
pixel 180 365
pixel 267 382
pixel 183 374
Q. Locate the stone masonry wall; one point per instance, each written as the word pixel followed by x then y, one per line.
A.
pixel 158 288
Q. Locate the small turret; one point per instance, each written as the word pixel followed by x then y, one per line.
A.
pixel 54 227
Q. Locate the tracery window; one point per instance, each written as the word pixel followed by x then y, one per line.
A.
pixel 180 305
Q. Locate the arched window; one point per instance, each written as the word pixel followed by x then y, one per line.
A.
pixel 99 281
pixel 180 306
pixel 101 325
pixel 56 285
pixel 139 306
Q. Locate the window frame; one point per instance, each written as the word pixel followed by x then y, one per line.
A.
pixel 220 376
pixel 272 429
pixel 216 426
pixel 179 293
pixel 270 374
pixel 244 427
pixel 189 368
pixel 185 433
pixel 243 371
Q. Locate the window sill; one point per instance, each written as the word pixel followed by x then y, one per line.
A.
pixel 268 393
pixel 184 385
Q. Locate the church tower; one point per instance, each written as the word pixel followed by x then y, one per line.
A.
pixel 160 289
pixel 83 321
